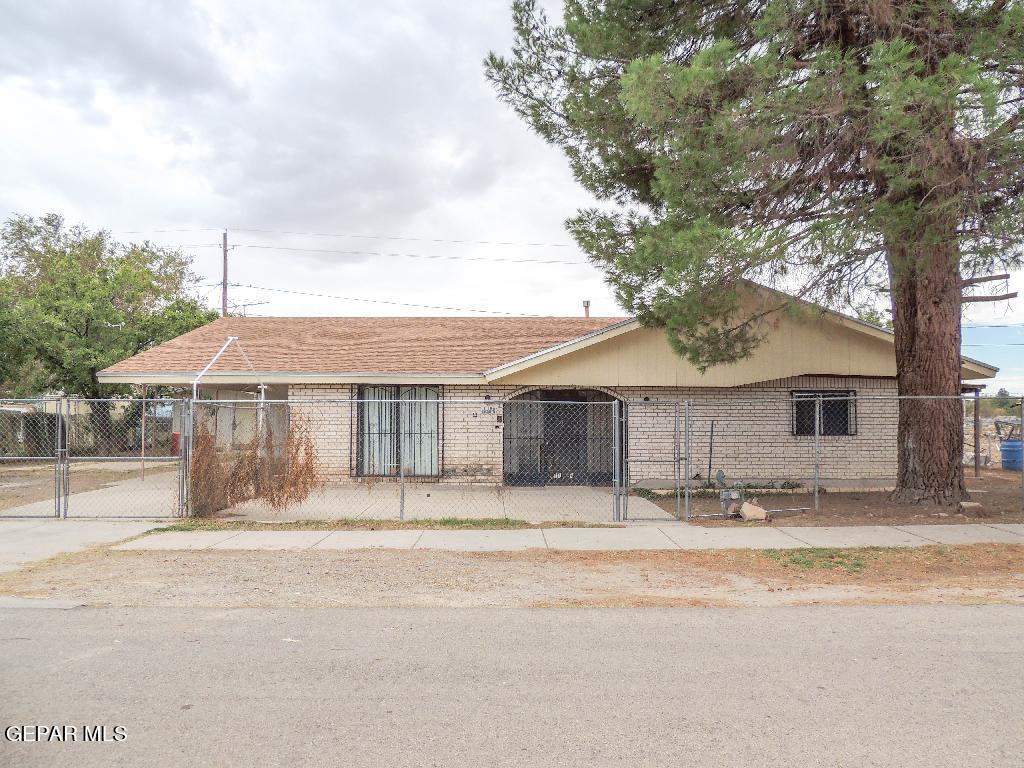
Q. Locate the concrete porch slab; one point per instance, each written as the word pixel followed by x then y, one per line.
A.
pixel 482 541
pixel 370 540
pixel 855 536
pixel 963 534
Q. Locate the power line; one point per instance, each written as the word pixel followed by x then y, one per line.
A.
pixel 441 257
pixel 1008 344
pixel 408 239
pixel 376 301
pixel 352 236
pixel 162 231
pixel 191 245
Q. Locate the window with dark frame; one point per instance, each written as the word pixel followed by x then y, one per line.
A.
pixel 398 431
pixel 838 412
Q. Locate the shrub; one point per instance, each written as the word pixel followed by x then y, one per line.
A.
pixel 277 476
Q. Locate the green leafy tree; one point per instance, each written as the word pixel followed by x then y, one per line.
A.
pixel 837 151
pixel 1003 401
pixel 73 302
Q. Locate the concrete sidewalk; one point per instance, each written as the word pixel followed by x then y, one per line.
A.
pixel 676 536
pixel 23 541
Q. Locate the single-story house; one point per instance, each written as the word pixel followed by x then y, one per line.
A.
pixel 498 400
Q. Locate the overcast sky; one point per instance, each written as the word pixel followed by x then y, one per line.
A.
pixel 357 119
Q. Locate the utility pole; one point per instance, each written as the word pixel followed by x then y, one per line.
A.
pixel 224 281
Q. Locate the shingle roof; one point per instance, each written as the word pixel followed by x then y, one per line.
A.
pixel 420 345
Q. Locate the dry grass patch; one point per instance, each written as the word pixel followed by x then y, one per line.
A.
pixel 975 564
pixel 532 578
pixel 1002 563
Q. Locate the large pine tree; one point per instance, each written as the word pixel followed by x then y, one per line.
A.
pixel 841 150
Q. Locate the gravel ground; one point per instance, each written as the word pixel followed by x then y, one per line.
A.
pixel 535 578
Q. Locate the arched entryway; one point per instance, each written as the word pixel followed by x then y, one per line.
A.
pixel 561 437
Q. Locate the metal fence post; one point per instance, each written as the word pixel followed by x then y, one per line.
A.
pixel 625 475
pixel 686 460
pixel 185 462
pixel 58 466
pixel 67 458
pixel 616 465
pixel 1021 433
pixel 817 449
pixel 401 467
pixel 977 432
pixel 675 461
pixel 401 484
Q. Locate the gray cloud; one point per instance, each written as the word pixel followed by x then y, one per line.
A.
pixel 71 47
pixel 325 116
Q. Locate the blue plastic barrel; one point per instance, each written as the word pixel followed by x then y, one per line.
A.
pixel 1013 455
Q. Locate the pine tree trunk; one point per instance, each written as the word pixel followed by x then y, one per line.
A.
pixel 926 321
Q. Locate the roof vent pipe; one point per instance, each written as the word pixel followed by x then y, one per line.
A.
pixel 586 307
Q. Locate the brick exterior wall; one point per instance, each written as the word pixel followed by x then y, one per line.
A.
pixel 753 430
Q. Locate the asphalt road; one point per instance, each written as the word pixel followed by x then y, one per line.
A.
pixel 814 686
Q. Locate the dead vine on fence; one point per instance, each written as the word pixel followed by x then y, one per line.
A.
pixel 278 476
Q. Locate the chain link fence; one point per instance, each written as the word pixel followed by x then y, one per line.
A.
pixel 405 458
pixel 98 458
pixel 410 454
pixel 31 440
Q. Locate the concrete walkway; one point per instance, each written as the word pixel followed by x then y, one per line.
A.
pixel 23 541
pixel 652 537
pixel 157 496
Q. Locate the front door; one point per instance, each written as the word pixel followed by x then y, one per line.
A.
pixel 565 445
pixel 559 437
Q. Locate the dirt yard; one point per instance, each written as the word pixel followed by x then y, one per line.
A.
pixel 535 578
pixel 999 492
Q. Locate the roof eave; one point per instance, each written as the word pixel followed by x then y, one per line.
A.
pixel 185 378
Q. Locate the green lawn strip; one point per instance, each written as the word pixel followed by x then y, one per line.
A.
pixel 360 524
pixel 858 560
pixel 854 560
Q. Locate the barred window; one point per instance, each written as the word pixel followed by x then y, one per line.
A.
pixel 398 427
pixel 838 412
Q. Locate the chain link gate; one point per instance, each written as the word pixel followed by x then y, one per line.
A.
pixel 123 458
pixel 31 446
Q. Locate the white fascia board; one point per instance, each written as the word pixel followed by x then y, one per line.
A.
pixel 982 369
pixel 566 347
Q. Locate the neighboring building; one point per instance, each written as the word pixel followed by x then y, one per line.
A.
pixel 346 374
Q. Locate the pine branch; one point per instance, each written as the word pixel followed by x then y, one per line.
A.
pixel 1001 297
pixel 988 279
